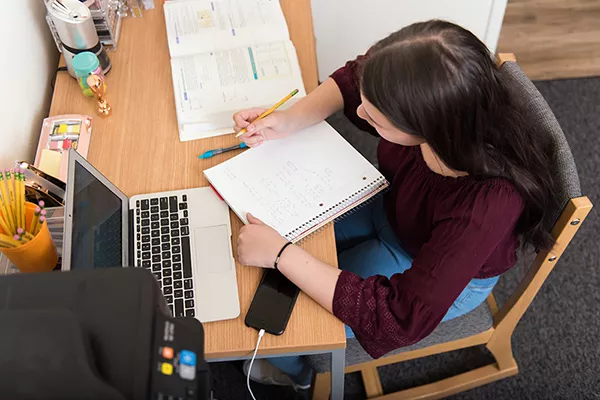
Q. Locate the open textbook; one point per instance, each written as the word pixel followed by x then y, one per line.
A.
pixel 227 55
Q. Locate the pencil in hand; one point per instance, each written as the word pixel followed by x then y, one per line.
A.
pixel 270 110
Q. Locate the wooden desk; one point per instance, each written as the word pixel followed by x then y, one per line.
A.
pixel 138 149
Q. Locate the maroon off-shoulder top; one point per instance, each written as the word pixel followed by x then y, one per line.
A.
pixel 456 229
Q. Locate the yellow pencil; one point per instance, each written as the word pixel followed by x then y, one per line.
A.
pixel 35 220
pixel 23 207
pixel 4 223
pixel 20 197
pixel 19 238
pixel 5 215
pixel 17 183
pixel 21 235
pixel 8 239
pixel 39 226
pixel 11 194
pixel 5 226
pixel 270 110
pixel 6 204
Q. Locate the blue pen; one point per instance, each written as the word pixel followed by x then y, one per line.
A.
pixel 210 153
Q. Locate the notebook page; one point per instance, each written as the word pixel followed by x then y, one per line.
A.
pixel 202 26
pixel 287 183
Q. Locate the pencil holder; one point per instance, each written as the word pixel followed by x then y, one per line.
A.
pixel 37 255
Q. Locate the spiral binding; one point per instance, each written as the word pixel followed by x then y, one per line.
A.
pixel 363 196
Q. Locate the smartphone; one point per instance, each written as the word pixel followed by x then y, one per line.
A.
pixel 273 303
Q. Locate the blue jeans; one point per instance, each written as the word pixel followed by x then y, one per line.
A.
pixel 367 246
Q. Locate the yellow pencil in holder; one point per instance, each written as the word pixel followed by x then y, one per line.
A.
pixel 23 199
pixel 18 198
pixel 35 220
pixel 6 209
pixel 4 226
pixel 38 254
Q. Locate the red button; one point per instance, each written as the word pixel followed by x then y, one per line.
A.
pixel 167 353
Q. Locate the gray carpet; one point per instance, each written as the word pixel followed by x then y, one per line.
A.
pixel 557 343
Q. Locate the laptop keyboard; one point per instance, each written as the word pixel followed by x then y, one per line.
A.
pixel 163 247
pixel 107 250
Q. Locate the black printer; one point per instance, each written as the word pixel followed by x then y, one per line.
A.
pixel 103 334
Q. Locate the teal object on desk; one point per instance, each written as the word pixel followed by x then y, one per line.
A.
pixel 210 153
pixel 84 64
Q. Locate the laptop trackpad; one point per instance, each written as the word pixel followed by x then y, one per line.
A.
pixel 212 249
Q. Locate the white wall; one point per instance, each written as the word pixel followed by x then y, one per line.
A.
pixel 346 28
pixel 28 63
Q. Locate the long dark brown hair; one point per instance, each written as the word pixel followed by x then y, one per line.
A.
pixel 437 81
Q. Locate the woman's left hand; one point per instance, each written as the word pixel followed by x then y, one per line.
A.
pixel 258 243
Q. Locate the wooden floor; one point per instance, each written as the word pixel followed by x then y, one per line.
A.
pixel 553 38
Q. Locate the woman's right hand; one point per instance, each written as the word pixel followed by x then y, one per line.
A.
pixel 274 126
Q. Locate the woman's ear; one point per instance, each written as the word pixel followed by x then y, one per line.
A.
pixel 360 111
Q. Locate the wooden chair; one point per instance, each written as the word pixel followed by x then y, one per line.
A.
pixel 487 325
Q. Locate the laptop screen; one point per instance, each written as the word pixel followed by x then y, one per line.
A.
pixel 97 230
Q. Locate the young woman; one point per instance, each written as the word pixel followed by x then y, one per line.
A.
pixel 469 181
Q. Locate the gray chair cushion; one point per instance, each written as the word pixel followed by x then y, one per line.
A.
pixel 477 321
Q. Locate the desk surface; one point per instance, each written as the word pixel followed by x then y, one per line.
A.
pixel 138 149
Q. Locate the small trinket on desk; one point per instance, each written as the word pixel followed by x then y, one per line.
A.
pixel 97 85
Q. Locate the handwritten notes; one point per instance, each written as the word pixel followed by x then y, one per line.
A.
pixel 294 182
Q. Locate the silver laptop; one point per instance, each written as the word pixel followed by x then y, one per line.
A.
pixel 182 236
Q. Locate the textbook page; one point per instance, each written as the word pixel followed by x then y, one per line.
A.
pixel 202 26
pixel 210 87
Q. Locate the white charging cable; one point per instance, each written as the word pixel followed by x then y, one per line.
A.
pixel 261 333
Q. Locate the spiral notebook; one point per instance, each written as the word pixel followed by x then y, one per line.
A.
pixel 297 184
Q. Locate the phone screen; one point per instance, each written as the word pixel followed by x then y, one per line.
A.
pixel 273 303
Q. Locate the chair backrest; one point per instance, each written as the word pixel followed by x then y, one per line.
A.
pixel 540 115
pixel 572 208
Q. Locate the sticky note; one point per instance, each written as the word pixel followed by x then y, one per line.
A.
pixel 50 162
pixel 75 128
pixel 62 128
